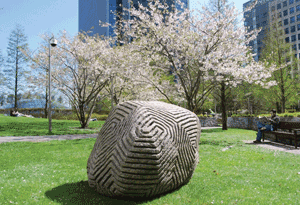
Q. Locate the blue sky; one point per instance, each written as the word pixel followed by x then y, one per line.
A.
pixel 40 16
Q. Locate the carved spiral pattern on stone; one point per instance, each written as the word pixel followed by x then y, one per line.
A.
pixel 144 149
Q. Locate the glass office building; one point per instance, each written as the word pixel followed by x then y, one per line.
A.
pixel 91 11
pixel 256 18
pixel 284 13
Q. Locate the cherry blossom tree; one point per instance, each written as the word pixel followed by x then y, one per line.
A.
pixel 79 70
pixel 197 48
pixel 39 64
pixel 124 81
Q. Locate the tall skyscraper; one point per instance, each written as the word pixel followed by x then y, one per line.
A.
pixel 91 11
pixel 284 13
pixel 258 17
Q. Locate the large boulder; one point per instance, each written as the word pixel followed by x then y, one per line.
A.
pixel 144 149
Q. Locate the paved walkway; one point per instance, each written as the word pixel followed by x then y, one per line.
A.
pixel 266 144
pixel 275 146
pixel 56 137
pixel 45 138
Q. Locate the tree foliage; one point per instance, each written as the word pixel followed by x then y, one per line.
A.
pixel 1 69
pixel 280 53
pixel 198 49
pixel 15 75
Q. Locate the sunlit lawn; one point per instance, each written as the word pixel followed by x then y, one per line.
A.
pixel 54 172
pixel 23 126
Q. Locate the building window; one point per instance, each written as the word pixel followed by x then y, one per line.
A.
pixel 298 8
pixel 294 47
pixel 284 4
pixel 286 21
pixel 257 25
pixel 291 2
pixel 292 10
pixel 298 17
pixel 287 39
pixel 297 0
pixel 285 12
pixel 279 15
pixel 293 29
pixel 265 15
pixel 295 55
pixel 298 37
pixel 292 19
pixel 299 46
pixel 286 31
pixel 279 6
pixel 293 38
pixel 264 23
pixel 298 27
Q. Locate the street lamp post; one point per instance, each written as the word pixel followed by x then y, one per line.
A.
pixel 53 43
pixel 249 107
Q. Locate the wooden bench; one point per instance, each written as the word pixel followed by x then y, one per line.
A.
pixel 286 130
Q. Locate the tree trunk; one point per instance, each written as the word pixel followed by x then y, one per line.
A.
pixel 82 116
pixel 283 100
pixel 223 106
pixel 278 108
pixel 16 84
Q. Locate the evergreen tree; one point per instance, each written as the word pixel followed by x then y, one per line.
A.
pixel 14 76
pixel 1 68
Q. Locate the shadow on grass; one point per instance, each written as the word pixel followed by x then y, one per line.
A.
pixel 82 193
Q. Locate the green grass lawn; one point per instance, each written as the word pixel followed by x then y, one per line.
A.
pixel 54 172
pixel 24 126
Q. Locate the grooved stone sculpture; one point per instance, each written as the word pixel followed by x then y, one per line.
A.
pixel 144 149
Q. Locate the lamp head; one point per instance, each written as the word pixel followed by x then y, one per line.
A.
pixel 53 42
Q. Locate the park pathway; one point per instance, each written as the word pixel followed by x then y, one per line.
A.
pixel 55 137
pixel 45 138
pixel 275 146
pixel 267 144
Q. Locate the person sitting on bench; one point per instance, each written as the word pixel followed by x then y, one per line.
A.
pixel 272 124
pixel 14 113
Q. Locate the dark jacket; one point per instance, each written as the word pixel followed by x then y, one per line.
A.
pixel 275 122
